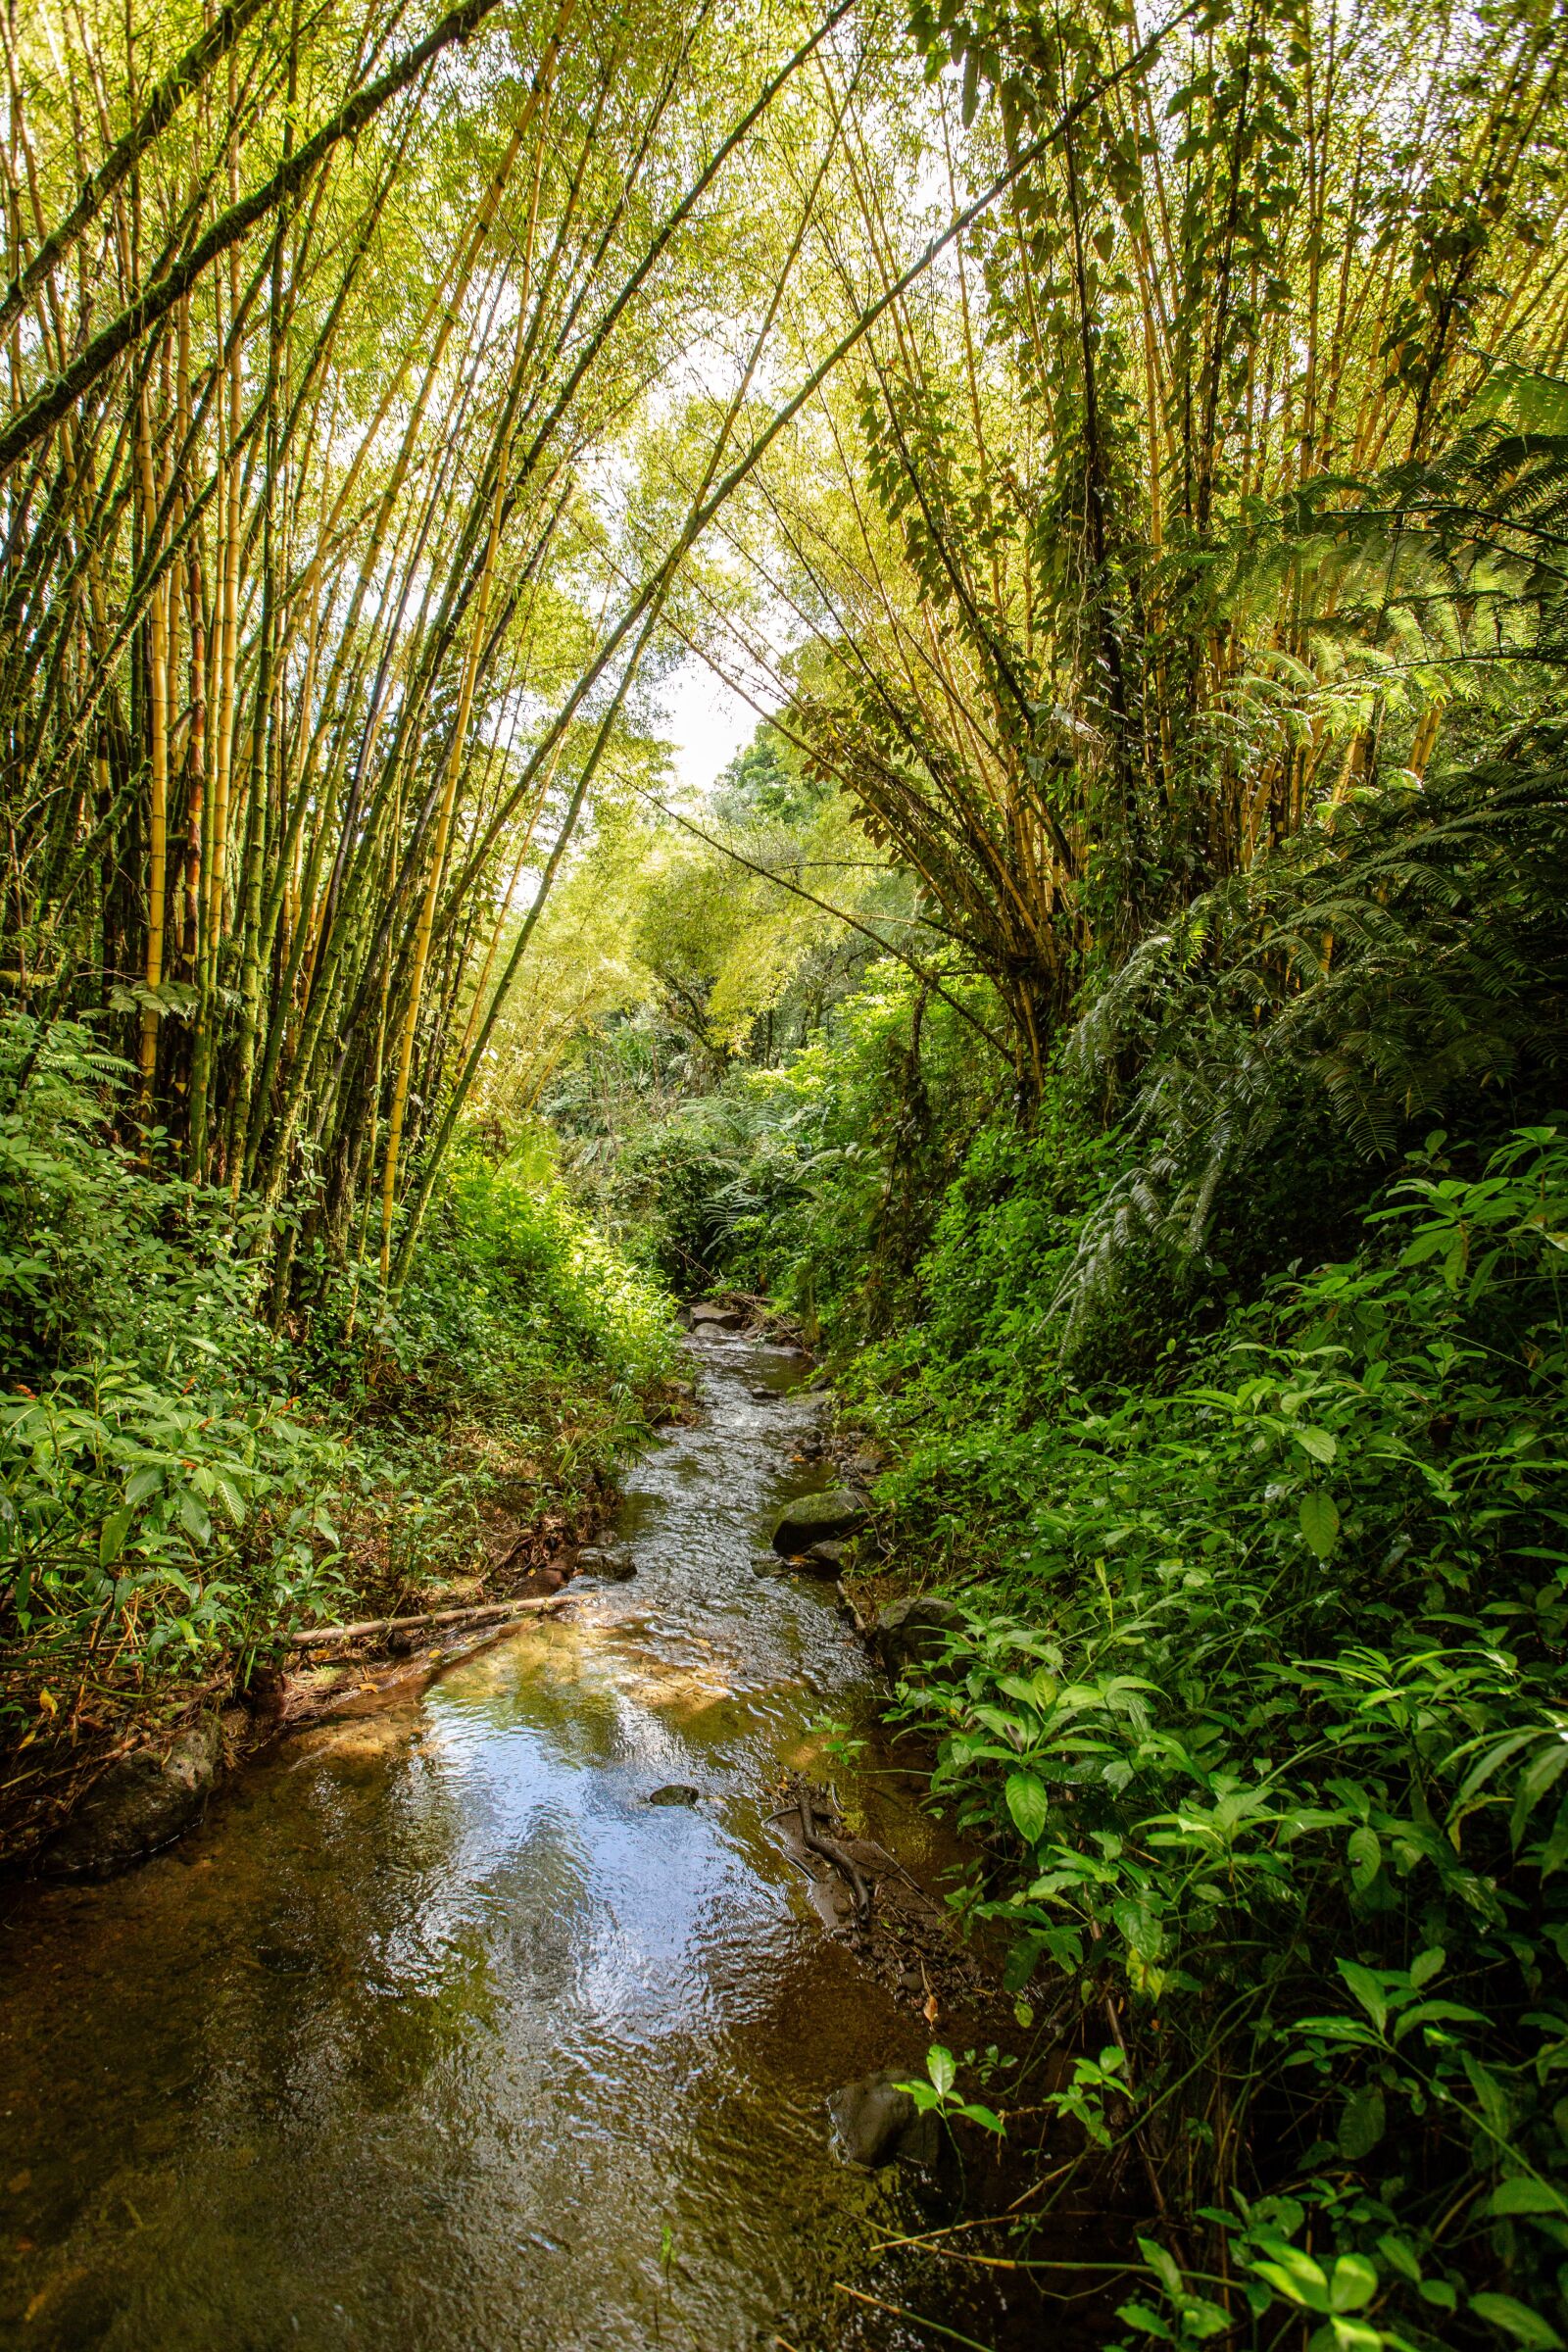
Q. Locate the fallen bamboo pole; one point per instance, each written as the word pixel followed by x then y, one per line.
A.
pixel 317 1635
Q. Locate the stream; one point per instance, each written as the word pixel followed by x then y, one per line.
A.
pixel 437 2037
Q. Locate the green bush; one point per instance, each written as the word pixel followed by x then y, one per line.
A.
pixel 172 1473
pixel 517 1305
pixel 163 1523
pixel 817 1180
pixel 162 1498
pixel 99 1255
pixel 1262 1716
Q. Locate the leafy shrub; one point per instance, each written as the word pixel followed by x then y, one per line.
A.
pixel 817 1180
pixel 518 1306
pixel 99 1255
pixel 169 1523
pixel 161 1497
pixel 172 1472
pixel 1262 1717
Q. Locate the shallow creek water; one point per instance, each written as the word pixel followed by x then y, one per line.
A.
pixel 439 2038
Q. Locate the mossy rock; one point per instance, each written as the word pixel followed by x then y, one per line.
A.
pixel 819 1519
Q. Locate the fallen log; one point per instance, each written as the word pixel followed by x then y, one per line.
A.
pixel 316 1637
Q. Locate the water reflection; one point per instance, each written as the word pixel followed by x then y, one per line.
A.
pixel 440 2035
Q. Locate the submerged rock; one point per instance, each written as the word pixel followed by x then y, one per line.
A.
pixel 677 1792
pixel 606 1559
pixel 140 1804
pixel 911 1633
pixel 874 2122
pixel 819 1519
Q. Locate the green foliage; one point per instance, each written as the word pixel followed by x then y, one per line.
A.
pixel 939 2095
pixel 1396 959
pixel 519 1308
pixel 816 1179
pixel 169 1523
pixel 172 1476
pixel 98 1256
pixel 161 1497
pixel 1260 1716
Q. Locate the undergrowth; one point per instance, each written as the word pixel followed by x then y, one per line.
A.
pixel 1258 1711
pixel 181 1487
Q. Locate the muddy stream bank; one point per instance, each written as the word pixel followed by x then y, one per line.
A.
pixel 438 2036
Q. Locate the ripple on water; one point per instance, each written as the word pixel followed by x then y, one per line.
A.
pixel 438 2037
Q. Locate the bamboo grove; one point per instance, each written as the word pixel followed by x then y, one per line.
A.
pixel 1129 551
pixel 311 650
pixel 388 391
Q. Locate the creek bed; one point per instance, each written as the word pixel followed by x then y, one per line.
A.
pixel 438 2037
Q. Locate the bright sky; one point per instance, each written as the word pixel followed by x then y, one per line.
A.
pixel 706 720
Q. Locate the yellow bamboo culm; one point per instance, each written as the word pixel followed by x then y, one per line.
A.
pixel 158 790
pixel 438 860
pixel 157 835
pixel 534 111
pixel 1426 738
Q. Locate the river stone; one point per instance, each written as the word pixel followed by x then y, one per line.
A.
pixel 819 1519
pixel 677 1792
pixel 141 1803
pixel 603 1559
pixel 719 1318
pixel 823 1559
pixel 874 2122
pixel 910 1633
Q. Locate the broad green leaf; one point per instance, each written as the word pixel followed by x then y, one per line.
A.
pixel 1365 1850
pixel 1029 1804
pixel 1163 2263
pixel 112 1535
pixel 1540 1774
pixel 1203 2319
pixel 1298 2278
pixel 232 1500
pixel 1522 2194
pixel 1146 2321
pixel 1436 2013
pixel 1320 1522
pixel 1361 2123
pixel 193 1518
pixel 1399 2255
pixel 1518 2320
pixel 941 2067
pixel 1354 2283
pixel 1320 1443
pixel 1367 1991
